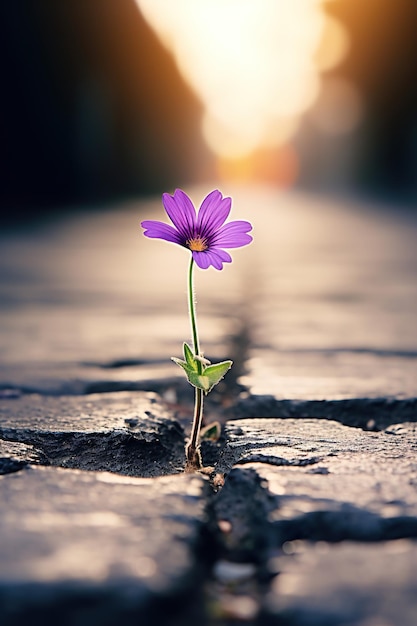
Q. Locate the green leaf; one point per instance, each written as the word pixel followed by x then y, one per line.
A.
pixel 199 380
pixel 216 372
pixel 209 377
pixel 187 368
pixel 212 431
pixel 190 364
pixel 190 358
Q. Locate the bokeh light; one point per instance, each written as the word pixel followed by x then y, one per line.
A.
pixel 254 64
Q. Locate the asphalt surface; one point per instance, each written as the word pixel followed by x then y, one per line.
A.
pixel 308 517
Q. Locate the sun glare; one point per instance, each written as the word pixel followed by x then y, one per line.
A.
pixel 254 64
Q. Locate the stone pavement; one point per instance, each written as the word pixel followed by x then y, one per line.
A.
pixel 310 515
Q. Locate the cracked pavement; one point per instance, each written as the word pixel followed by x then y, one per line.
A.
pixel 310 517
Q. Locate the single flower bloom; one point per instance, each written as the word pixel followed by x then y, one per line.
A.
pixel 205 233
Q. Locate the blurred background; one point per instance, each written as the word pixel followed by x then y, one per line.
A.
pixel 112 99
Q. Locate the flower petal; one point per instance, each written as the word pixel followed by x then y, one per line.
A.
pixel 215 261
pixel 232 235
pixel 213 213
pixel 159 230
pixel 216 258
pixel 224 256
pixel 181 212
pixel 202 259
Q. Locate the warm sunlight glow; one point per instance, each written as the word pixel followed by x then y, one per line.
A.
pixel 254 64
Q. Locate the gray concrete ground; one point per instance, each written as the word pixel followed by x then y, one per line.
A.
pixel 309 518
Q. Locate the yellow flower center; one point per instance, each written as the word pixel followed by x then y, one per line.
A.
pixel 198 244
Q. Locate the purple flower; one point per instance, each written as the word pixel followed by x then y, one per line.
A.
pixel 205 233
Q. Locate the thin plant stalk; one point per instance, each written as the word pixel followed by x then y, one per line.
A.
pixel 192 450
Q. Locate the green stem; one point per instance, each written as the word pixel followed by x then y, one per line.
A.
pixel 191 308
pixel 192 450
